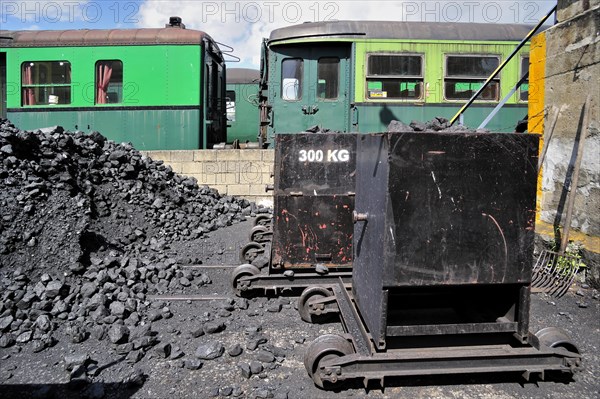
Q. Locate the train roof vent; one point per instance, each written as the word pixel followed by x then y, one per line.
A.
pixel 175 22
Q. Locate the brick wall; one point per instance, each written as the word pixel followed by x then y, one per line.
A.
pixel 242 173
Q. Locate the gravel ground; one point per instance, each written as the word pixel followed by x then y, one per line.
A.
pixel 272 340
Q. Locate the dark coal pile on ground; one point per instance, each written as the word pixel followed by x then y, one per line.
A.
pixel 66 195
pixel 84 227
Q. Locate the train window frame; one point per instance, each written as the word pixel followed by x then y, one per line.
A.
pixel 326 87
pixel 471 78
pixel 526 82
pixel 230 109
pixel 54 92
pixel 107 97
pixel 420 79
pixel 297 81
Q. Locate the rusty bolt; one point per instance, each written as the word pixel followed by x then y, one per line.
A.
pixel 359 217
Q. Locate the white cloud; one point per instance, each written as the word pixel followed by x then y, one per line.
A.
pixel 243 24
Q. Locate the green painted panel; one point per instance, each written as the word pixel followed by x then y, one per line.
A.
pixel 464 86
pixel 246 124
pixel 374 85
pixel 408 86
pixel 376 119
pixel 310 108
pixel 152 75
pixel 162 129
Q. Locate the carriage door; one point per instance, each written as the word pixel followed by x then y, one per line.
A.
pixel 315 89
pixel 2 85
pixel 214 101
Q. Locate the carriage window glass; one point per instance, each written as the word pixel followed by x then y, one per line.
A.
pixel 291 79
pixel 221 90
pixel 394 76
pixel 465 75
pixel 109 82
pixel 45 83
pixel 524 89
pixel 230 105
pixel 328 75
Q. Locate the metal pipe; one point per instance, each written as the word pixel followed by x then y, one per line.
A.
pixel 501 66
pixel 504 100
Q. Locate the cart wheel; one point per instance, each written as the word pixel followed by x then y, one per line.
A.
pixel 321 349
pixel 238 273
pixel 308 295
pixel 554 337
pixel 259 234
pixel 263 220
pixel 250 252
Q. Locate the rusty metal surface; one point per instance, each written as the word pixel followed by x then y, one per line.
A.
pixel 278 281
pixel 98 37
pixel 314 200
pixel 311 230
pixel 351 320
pixel 448 360
pixel 403 30
pixel 455 208
pixel 450 227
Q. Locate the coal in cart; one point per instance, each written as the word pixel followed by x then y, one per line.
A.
pixel 441 276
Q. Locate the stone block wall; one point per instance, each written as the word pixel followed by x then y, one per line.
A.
pixel 568 9
pixel 242 173
pixel 564 71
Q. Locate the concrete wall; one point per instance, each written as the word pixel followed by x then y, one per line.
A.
pixel 568 9
pixel 564 70
pixel 242 173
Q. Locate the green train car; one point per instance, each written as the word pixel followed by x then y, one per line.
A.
pixel 160 89
pixel 358 76
pixel 242 107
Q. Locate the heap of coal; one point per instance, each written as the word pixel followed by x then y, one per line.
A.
pixel 84 228
pixel 437 124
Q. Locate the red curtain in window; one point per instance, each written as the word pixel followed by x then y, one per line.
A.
pixel 103 74
pixel 28 92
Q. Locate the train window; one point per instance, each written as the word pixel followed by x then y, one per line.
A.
pixel 230 105
pixel 524 90
pixel 465 75
pixel 328 76
pixel 291 79
pixel 46 82
pixel 395 76
pixel 109 82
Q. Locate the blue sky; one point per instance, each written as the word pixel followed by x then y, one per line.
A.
pixel 242 24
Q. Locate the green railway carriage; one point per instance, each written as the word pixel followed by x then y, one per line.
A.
pixel 156 88
pixel 357 76
pixel 242 106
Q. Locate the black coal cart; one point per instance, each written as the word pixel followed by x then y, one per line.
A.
pixel 309 241
pixel 441 276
